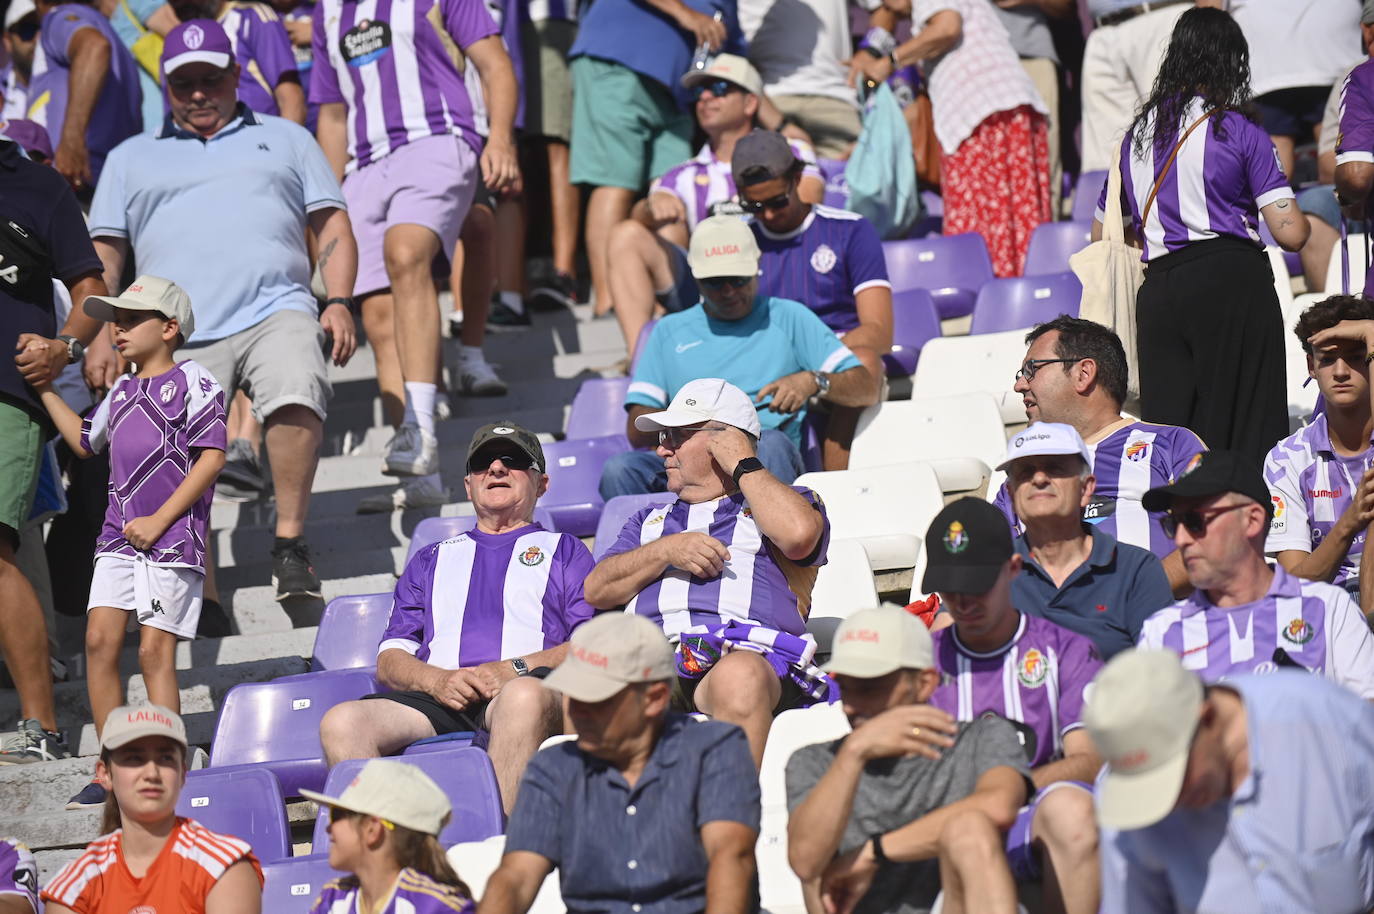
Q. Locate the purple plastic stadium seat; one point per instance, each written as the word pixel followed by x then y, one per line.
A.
pixel 1085 195
pixel 1051 245
pixel 446 741
pixel 932 221
pixel 247 804
pixel 350 630
pixel 617 511
pixel 951 267
pixel 1011 304
pixel 598 408
pixel 574 497
pixel 276 725
pixel 914 322
pixel 639 343
pixel 292 885
pixel 433 530
pixel 464 774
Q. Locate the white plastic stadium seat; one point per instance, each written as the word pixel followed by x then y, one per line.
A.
pixel 886 508
pixel 1283 283
pixel 1355 244
pixel 843 584
pixel 475 861
pixel 987 362
pixel 942 431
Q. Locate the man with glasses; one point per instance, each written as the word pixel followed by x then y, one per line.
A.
pixel 476 621
pixel 727 569
pixel 1246 615
pixel 775 350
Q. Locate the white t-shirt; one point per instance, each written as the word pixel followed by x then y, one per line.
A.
pixel 1299 42
pixel 798 45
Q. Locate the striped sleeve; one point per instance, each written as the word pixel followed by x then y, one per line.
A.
pixel 212 852
pixel 79 885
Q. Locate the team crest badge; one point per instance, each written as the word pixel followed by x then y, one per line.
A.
pixel 656 519
pixel 1299 631
pixel 194 36
pixel 167 391
pixel 747 511
pixel 956 538
pixel 532 556
pixel 1192 464
pixel 1032 669
pixel 703 179
pixel 1137 451
pixel 823 259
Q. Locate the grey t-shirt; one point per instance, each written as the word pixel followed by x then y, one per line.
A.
pixel 1029 31
pixel 894 792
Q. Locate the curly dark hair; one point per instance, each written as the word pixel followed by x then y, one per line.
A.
pixel 1328 313
pixel 1208 57
pixel 1083 339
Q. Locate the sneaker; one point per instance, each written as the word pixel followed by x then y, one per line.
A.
pixel 413 493
pixel 90 797
pixel 214 622
pixel 33 744
pixel 502 319
pixel 560 292
pixel 412 451
pixel 292 573
pixel 443 407
pixel 241 467
pixel 476 378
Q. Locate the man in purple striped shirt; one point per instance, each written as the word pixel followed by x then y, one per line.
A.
pixel 476 620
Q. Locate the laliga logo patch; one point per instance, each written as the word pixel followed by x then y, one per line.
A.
pixel 167 391
pixel 823 259
pixel 1299 631
pixel 1032 669
pixel 1138 451
pixel 1192 464
pixel 194 36
pixel 531 556
pixel 956 538
pixel 721 250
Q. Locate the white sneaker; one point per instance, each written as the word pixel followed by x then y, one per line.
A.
pixel 412 451
pixel 413 493
pixel 476 378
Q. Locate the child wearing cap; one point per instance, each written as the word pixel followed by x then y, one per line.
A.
pixel 164 427
pixel 384 829
pixel 149 858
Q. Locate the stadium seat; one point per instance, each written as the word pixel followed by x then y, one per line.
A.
pixel 247 804
pixel 886 508
pixel 275 726
pixel 1086 193
pixel 598 408
pixel 464 774
pixel 292 885
pixel 1283 284
pixel 639 343
pixel 574 500
pixel 349 632
pixel 617 511
pixel 987 362
pixel 475 861
pixel 914 322
pixel 444 741
pixel 1051 245
pixel 433 530
pixel 932 220
pixel 1355 244
pixel 1009 304
pixel 960 436
pixel 951 267
pixel 843 584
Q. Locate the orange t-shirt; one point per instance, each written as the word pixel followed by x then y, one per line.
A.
pixel 192 861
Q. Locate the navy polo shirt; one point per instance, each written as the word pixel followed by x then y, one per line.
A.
pixel 636 849
pixel 1106 599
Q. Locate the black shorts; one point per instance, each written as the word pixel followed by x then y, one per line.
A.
pixel 685 688
pixel 1292 112
pixel 443 718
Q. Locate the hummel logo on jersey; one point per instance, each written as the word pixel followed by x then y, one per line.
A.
pixel 157 605
pixel 683 347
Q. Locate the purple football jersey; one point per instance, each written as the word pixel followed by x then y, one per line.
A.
pixel 262 49
pixel 1036 678
pixel 415 893
pixel 18 871
pixel 1355 142
pixel 153 428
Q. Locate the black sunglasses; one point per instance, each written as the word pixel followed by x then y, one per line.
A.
pixel 25 29
pixel 718 87
pixel 757 206
pixel 720 282
pixel 211 81
pixel 511 461
pixel 1195 521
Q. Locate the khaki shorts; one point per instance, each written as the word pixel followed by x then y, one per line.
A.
pixel 21 447
pixel 833 125
pixel 548 81
pixel 278 362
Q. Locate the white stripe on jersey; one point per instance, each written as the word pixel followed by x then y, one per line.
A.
pixel 964 683
pixel 1323 509
pixel 1191 175
pixel 449 599
pixel 1132 482
pixel 649 530
pixel 737 579
pixel 1195 638
pixel 1142 179
pixel 522 593
pixel 1241 644
pixel 408 77
pixel 1052 695
pixel 1011 692
pixel 372 88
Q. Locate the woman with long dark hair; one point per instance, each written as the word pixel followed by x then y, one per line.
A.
pixel 1196 173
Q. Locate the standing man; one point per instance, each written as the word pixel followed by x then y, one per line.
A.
pixel 647 808
pixel 21 43
pixel 1249 795
pixel 268 80
pixel 260 328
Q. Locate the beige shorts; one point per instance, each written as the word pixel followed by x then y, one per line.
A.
pixel 278 362
pixel 833 124
pixel 162 597
pixel 548 81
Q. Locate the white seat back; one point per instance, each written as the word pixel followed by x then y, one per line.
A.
pixel 843 584
pixel 984 362
pixel 886 508
pixel 475 861
pixel 1355 245
pixel 944 431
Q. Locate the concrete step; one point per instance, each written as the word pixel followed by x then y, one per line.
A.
pixel 252 544
pixel 604 363
pixel 204 653
pixel 331 561
pixel 455 434
pixel 256 610
pixel 50 862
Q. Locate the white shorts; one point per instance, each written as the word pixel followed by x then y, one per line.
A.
pixel 159 597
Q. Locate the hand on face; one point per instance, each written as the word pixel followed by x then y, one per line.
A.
pixel 728 447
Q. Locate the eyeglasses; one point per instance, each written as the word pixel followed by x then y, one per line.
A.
pixel 477 466
pixel 674 438
pixel 183 85
pixel 720 282
pixel 1028 370
pixel 1195 521
pixel 718 87
pixel 338 814
pixel 781 201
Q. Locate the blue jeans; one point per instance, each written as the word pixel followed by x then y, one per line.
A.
pixel 640 472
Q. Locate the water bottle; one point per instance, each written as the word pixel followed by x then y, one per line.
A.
pixel 702 58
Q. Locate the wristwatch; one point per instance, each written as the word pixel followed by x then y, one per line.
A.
pixel 520 666
pixel 76 350
pixel 822 383
pixel 747 465
pixel 878 855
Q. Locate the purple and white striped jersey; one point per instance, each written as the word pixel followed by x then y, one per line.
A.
pixel 480 597
pixel 415 893
pixel 1216 187
pixel 1036 678
pixel 262 49
pixel 18 872
pixel 153 427
pixel 759 584
pixel 1128 463
pixel 1311 486
pixel 1316 624
pixel 706 185
pixel 392 63
pixel 1355 141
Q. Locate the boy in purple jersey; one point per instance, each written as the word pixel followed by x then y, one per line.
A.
pixel 1028 670
pixel 18 879
pixel 164 428
pixel 1247 616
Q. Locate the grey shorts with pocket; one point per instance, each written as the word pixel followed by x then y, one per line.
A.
pixel 278 362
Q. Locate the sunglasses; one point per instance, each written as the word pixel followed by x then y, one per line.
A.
pixel 25 29
pixel 183 85
pixel 781 201
pixel 477 466
pixel 674 438
pixel 1195 521
pixel 720 282
pixel 1028 370
pixel 717 87
pixel 337 814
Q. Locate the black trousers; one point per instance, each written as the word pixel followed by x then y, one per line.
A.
pixel 1210 335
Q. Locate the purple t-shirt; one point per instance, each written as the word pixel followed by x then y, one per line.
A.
pixel 480 597
pixel 1355 142
pixel 18 871
pixel 117 114
pixel 1036 678
pixel 390 62
pixel 153 428
pixel 830 258
pixel 415 893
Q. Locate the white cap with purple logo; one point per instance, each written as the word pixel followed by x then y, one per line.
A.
pixel 197 41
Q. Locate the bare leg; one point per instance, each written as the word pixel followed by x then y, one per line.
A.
pixel 844 420
pixel 521 717
pixel 1066 832
pixel 973 867
pixel 566 203
pixel 742 689
pixel 606 208
pixel 639 269
pixel 24 640
pixel 409 251
pixel 510 245
pixel 368 729
pixel 104 638
pixel 1316 254
pixel 478 273
pixel 157 658
pixel 379 320
pixel 294 434
pixel 242 423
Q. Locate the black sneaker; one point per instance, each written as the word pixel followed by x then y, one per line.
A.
pixel 241 467
pixel 559 292
pixel 503 318
pixel 34 744
pixel 292 573
pixel 214 622
pixel 91 796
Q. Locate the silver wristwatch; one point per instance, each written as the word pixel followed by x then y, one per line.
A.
pixel 822 383
pixel 520 666
pixel 76 351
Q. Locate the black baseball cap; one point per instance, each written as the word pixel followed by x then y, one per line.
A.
pixel 1213 473
pixel 522 439
pixel 761 155
pixel 966 546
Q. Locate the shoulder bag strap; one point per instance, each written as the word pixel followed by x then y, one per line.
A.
pixel 1145 213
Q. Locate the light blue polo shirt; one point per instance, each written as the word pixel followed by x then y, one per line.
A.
pixel 223 218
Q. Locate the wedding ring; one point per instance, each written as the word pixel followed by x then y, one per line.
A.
pixel 915 731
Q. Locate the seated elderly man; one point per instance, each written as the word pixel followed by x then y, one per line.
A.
pixel 648 809
pixel 727 569
pixel 476 621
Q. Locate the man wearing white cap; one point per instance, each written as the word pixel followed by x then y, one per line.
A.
pixel 1246 796
pixel 730 563
pixel 871 812
pixel 648 808
pixel 774 349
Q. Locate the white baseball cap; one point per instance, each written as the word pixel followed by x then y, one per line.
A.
pixel 130 722
pixel 723 246
pixel 17 10
pixel 1045 438
pixel 874 642
pixel 395 791
pixel 1143 710
pixel 609 652
pixel 701 401
pixel 146 293
pixel 730 67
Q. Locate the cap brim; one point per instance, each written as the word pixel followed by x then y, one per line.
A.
pixel 859 667
pixel 742 267
pixel 961 578
pixel 535 458
pixel 102 307
pixel 580 683
pixel 652 422
pixel 1127 801
pixel 217 59
pixel 1002 467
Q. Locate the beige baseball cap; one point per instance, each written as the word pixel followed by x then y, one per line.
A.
pixel 395 791
pixel 130 722
pixel 729 67
pixel 874 642
pixel 703 400
pixel 609 652
pixel 146 293
pixel 1142 712
pixel 723 246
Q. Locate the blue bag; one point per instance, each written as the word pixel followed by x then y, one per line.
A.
pixel 881 172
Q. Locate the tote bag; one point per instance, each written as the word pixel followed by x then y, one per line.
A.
pixel 881 172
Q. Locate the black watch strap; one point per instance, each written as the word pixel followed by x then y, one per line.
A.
pixel 747 465
pixel 878 853
pixel 339 300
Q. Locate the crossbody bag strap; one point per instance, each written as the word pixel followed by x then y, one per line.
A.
pixel 1145 213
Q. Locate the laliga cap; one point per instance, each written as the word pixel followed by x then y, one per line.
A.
pixel 609 652
pixel 17 10
pixel 701 401
pixel 130 722
pixel 729 67
pixel 1043 439
pixel 147 293
pixel 874 642
pixel 723 246
pixel 966 546
pixel 1143 712
pixel 1214 473
pixel 197 41
pixel 394 791
pixel 522 439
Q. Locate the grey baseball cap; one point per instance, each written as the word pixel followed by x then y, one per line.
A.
pixel 761 156
pixel 521 438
